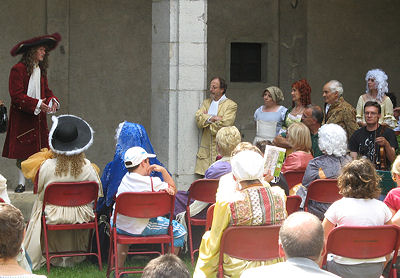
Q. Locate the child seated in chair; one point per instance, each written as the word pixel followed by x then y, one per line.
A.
pixel 138 179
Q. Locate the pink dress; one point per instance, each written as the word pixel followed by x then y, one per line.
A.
pixel 296 161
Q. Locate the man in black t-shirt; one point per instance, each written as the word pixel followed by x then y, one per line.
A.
pixel 367 141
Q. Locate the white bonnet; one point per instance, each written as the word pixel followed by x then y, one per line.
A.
pixel 247 165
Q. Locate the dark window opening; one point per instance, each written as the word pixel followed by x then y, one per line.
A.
pixel 246 62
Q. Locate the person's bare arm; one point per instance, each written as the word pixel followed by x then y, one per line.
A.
pixel 328 227
pixel 282 142
pixel 389 150
pixel 166 176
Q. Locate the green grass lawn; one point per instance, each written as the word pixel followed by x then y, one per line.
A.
pixel 87 269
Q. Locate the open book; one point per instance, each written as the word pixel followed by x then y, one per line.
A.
pixel 273 160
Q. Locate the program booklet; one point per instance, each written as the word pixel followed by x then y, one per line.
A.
pixel 274 157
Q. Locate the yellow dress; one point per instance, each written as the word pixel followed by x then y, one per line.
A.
pixel 253 208
pixel 71 239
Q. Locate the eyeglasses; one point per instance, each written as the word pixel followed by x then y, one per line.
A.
pixel 370 113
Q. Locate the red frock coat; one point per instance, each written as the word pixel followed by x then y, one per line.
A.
pixel 27 133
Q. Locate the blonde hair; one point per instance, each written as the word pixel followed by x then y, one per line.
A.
pixel 396 166
pixel 71 164
pixel 246 146
pixel 227 139
pixel 299 137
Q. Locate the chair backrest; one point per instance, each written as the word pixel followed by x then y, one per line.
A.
pixel 363 242
pixel 210 216
pixel 144 204
pixel 203 190
pixel 71 194
pixel 387 182
pixel 323 191
pixel 292 204
pixel 293 177
pixel 254 243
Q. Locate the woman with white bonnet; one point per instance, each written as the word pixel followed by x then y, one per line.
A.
pixel 376 90
pixel 243 199
pixel 332 141
pixel 69 137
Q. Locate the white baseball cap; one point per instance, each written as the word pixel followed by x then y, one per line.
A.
pixel 135 155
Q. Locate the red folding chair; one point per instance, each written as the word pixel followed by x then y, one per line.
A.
pixel 293 177
pixel 365 242
pixel 251 243
pixel 201 190
pixel 209 218
pixel 71 194
pixel 322 191
pixel 292 204
pixel 140 205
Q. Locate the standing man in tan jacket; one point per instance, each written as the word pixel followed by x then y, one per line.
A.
pixel 215 112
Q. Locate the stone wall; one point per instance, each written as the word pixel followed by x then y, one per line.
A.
pixel 345 39
pixel 101 71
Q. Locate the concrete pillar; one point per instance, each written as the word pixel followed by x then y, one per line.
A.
pixel 179 72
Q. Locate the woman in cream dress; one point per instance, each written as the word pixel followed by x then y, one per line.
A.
pixel 69 137
pixel 377 87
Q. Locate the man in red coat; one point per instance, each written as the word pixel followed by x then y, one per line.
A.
pixel 31 99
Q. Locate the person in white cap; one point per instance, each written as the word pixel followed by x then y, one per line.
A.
pixel 138 179
pixel 243 199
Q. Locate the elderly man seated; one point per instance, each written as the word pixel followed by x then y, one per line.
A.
pixel 301 241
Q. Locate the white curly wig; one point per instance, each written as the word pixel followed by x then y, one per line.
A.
pixel 380 78
pixel 332 140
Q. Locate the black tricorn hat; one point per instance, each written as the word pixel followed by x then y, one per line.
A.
pixel 70 135
pixel 50 40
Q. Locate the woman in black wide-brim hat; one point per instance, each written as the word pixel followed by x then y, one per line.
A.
pixel 69 137
pixel 31 100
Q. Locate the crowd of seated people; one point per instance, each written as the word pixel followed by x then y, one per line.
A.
pixel 317 140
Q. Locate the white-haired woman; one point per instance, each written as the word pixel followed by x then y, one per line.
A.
pixel 376 90
pixel 332 141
